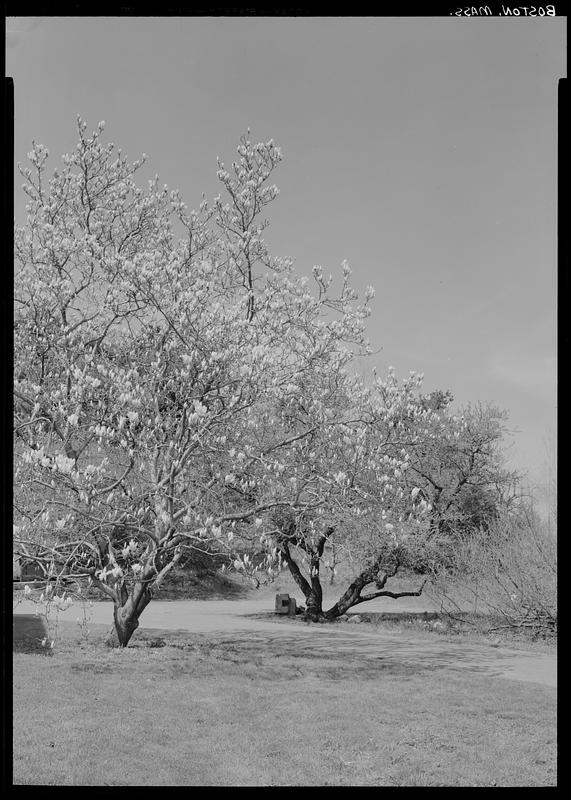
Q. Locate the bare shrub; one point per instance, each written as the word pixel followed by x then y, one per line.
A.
pixel 505 577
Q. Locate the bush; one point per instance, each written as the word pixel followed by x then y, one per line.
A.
pixel 509 572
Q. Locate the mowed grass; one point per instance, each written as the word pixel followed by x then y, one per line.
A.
pixel 222 711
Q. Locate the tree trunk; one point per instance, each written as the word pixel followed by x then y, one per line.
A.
pixel 352 596
pixel 126 622
pixel 349 598
pixel 311 591
pixel 314 599
pixel 126 613
pixel 314 606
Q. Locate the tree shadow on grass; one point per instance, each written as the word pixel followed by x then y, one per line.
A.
pixel 267 657
pixel 28 633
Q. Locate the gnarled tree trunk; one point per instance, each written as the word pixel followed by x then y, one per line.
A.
pixel 126 612
pixel 312 592
pixel 352 596
pixel 312 589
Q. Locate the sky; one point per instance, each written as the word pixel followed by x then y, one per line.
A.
pixel 421 150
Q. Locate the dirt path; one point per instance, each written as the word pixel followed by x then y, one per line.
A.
pixel 232 617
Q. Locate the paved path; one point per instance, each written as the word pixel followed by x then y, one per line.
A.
pixel 232 617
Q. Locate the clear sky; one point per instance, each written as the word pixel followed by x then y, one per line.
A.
pixel 422 150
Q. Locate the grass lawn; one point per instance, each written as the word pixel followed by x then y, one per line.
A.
pixel 218 710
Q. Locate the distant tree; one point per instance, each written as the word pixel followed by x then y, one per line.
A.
pixel 478 508
pixel 461 473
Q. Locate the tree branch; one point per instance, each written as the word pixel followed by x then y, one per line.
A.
pixel 394 595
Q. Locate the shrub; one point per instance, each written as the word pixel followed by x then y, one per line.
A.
pixel 508 571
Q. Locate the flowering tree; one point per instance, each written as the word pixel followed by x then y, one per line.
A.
pixel 177 388
pixel 350 451
pixel 389 469
pixel 153 345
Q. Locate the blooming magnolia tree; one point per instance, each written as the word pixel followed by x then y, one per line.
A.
pixel 153 346
pixel 177 388
pixel 352 454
